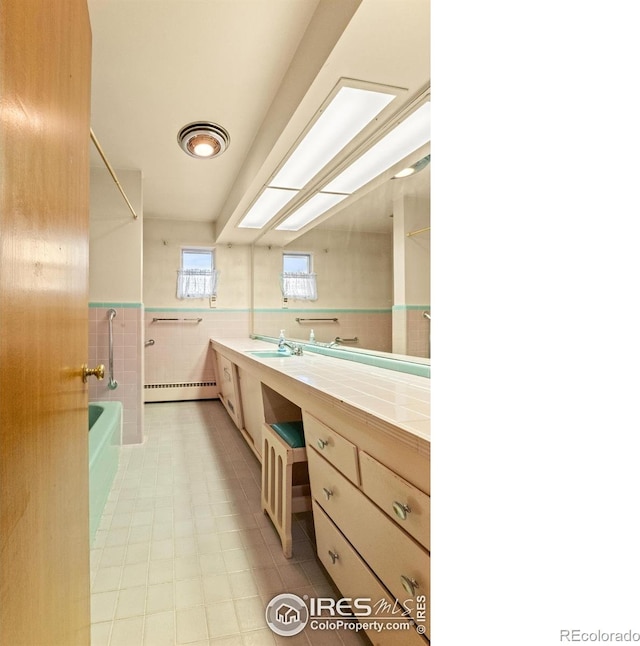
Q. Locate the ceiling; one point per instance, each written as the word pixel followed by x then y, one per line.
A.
pixel 259 68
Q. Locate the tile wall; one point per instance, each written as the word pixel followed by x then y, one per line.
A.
pixel 180 352
pixel 371 327
pixel 127 362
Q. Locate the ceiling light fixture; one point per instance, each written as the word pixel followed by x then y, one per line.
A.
pixel 414 168
pixel 271 200
pixel 345 114
pixel 310 210
pixel 407 137
pixel 203 139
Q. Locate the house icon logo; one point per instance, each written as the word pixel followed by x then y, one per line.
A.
pixel 287 614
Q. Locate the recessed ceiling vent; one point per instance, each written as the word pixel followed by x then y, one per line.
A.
pixel 203 139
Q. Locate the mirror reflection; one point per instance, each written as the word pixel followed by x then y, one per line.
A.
pixel 371 261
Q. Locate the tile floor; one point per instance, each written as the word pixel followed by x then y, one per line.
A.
pixel 184 554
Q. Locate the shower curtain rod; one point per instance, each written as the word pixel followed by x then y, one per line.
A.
pixel 413 233
pixel 113 174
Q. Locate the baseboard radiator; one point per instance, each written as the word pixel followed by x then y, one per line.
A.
pixel 180 392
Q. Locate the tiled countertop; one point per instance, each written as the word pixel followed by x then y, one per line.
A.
pixel 399 399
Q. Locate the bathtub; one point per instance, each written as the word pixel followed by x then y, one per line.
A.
pixel 105 433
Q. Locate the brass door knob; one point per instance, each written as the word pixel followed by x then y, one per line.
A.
pixel 97 372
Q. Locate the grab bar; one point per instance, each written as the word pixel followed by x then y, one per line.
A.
pixel 113 384
pixel 339 339
pixel 299 320
pixel 196 320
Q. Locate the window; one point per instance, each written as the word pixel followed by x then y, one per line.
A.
pixel 298 282
pixel 197 277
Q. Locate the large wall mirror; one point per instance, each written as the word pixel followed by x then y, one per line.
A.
pixel 372 263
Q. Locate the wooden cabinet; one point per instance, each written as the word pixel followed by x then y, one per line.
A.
pixel 252 409
pixel 405 504
pixel 241 393
pixel 383 520
pixel 229 388
pixel 355 579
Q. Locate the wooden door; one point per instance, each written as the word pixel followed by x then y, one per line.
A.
pixel 45 68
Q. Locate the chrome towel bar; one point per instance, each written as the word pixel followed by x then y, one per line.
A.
pixel 176 319
pixel 299 320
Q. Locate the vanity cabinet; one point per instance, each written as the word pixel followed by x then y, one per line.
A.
pixel 252 409
pixel 240 391
pixel 372 525
pixel 229 386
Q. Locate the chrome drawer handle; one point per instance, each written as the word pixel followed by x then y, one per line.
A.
pixel 327 493
pixel 409 585
pixel 322 443
pixel 401 510
pixel 334 557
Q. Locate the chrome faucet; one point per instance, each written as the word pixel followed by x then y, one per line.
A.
pixel 295 348
pixel 334 343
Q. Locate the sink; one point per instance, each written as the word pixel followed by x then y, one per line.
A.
pixel 269 354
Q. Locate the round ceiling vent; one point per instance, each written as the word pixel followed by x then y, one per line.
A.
pixel 203 139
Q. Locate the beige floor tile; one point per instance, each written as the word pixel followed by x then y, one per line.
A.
pixel 243 584
pixel 161 571
pixel 160 598
pixel 127 632
pixel 131 602
pixel 262 637
pixel 103 606
pixel 221 619
pixel 159 629
pixel 217 587
pixel 189 593
pixel 250 612
pixel 191 625
pixel 100 633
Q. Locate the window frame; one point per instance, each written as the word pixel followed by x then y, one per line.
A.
pixel 298 254
pixel 197 249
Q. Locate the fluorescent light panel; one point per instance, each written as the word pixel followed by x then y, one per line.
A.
pixel 265 207
pixel 413 132
pixel 345 116
pixel 310 210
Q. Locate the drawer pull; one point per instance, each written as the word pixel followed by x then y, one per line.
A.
pixel 401 510
pixel 409 585
pixel 333 555
pixel 327 493
pixel 322 443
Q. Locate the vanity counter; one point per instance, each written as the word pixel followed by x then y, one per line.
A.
pixel 393 402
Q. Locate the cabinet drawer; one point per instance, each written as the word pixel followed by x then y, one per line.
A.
pixel 398 560
pixel 332 446
pixel 354 580
pixel 405 504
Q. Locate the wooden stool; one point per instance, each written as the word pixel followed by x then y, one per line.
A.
pixel 285 477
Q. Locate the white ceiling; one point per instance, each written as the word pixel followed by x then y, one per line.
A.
pixel 259 68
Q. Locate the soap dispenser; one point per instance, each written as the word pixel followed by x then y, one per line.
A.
pixel 281 340
pixel 312 337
